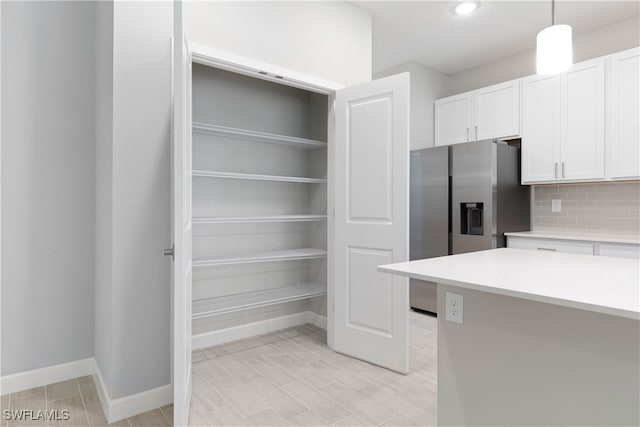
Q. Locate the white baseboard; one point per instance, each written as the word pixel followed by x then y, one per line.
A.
pixel 114 409
pixel 317 319
pixel 40 377
pixel 128 406
pixel 222 336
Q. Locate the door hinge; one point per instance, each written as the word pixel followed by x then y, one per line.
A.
pixel 171 252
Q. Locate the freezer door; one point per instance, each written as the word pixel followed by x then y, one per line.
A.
pixel 473 189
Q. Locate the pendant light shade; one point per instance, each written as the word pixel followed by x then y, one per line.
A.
pixel 554 52
pixel 554 47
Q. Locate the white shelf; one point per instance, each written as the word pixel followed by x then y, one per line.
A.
pixel 228 304
pixel 252 219
pixel 256 177
pixel 287 255
pixel 269 138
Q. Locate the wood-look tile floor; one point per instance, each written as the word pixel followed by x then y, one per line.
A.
pixel 79 397
pixel 291 378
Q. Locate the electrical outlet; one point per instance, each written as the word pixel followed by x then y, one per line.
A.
pixel 556 205
pixel 454 306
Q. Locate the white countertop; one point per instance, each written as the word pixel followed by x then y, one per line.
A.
pixel 600 284
pixel 588 237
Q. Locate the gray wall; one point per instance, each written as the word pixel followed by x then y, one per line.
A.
pixel 518 362
pixel 599 42
pixel 48 164
pixel 427 85
pixel 133 194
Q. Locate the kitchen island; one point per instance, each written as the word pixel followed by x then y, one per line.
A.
pixel 546 338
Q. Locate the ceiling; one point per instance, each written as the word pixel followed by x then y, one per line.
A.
pixel 430 33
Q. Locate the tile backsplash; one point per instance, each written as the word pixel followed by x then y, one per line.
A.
pixel 612 208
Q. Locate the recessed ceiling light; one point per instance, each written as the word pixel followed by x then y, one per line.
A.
pixel 466 8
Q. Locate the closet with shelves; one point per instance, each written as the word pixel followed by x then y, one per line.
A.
pixel 259 204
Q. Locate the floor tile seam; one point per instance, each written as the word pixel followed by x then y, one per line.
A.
pixel 332 400
pixel 262 410
pixel 166 417
pixel 234 352
pixel 341 419
pixel 240 386
pixel 362 398
pixel 278 412
pixel 46 402
pixel 310 410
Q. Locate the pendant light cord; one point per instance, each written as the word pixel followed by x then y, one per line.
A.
pixel 553 12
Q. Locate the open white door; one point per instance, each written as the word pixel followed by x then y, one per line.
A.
pixel 370 314
pixel 181 192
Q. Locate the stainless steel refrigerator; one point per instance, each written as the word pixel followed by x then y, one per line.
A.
pixel 463 198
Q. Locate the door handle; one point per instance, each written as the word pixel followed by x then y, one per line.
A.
pixel 563 169
pixel 555 169
pixel 170 252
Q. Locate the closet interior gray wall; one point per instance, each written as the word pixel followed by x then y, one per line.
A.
pixel 232 100
pixel 48 167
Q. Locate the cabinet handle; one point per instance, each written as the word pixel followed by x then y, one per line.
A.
pixel 555 169
pixel 563 169
pixel 476 131
pixel 547 249
pixel 467 133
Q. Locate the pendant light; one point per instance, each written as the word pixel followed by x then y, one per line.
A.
pixel 554 50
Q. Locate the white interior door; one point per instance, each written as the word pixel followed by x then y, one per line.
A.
pixel 370 310
pixel 181 224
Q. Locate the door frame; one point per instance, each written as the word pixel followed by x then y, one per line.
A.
pixel 217 58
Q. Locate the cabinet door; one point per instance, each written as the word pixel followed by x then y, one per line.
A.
pixel 540 129
pixel 623 121
pixel 453 119
pixel 497 111
pixel 582 119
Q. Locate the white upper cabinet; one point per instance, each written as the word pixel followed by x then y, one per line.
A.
pixel 453 119
pixel 490 112
pixel 563 125
pixel 623 118
pixel 497 111
pixel 582 121
pixel 540 128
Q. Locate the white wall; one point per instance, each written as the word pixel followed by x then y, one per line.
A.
pixel 48 164
pixel 427 85
pixel 602 41
pixel 133 190
pixel 330 40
